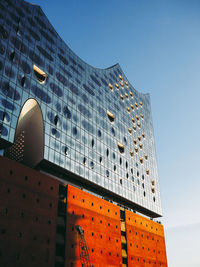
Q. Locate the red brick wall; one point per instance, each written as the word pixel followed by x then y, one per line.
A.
pixel 28 210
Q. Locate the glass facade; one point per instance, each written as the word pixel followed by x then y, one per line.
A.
pixel 96 124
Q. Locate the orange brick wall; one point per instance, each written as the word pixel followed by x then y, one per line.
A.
pixel 145 241
pixel 100 221
pixel 28 224
pixel 28 210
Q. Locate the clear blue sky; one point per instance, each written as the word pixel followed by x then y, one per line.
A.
pixel 157 44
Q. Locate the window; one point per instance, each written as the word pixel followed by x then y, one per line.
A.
pixel 12 55
pixel 23 81
pixel 126 83
pixel 117 85
pixel 122 98
pixel 39 74
pixel 120 77
pixel 130 130
pixel 121 147
pixel 111 116
pixel 110 86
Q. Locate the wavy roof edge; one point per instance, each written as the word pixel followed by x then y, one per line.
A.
pixel 93 67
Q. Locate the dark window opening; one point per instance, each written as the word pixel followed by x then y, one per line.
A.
pixel 12 55
pixel 120 147
pixel 39 74
pixel 111 116
pixel 23 79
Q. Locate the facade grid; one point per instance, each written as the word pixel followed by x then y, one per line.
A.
pixel 95 123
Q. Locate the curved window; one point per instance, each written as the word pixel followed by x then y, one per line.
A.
pixel 66 150
pixel 131 153
pixel 113 131
pixel 122 85
pixel 117 85
pixel 126 83
pixel 111 116
pixel 134 127
pixel 141 103
pixel 143 135
pixel 136 104
pixel 84 160
pixel 128 109
pixel 137 117
pixel 145 156
pixel 110 86
pixel 133 120
pixel 142 116
pixel 139 138
pixel 92 142
pixel 125 140
pixel 141 160
pixel 107 173
pixel 131 94
pixel 120 147
pixel 92 165
pixel 56 120
pixel 130 130
pixel 134 141
pixel 39 74
pixel 99 133
pixel 107 152
pixel 136 149
pixel 147 172
pixel 100 159
pixel 121 96
pixel 132 107
pixel 153 189
pixel 126 95
pixel 120 77
pixel 67 112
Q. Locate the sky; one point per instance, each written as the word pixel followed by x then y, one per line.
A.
pixel 157 44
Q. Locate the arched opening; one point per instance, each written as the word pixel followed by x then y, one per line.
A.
pixel 28 146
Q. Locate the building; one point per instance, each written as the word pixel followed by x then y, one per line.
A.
pixel 88 134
